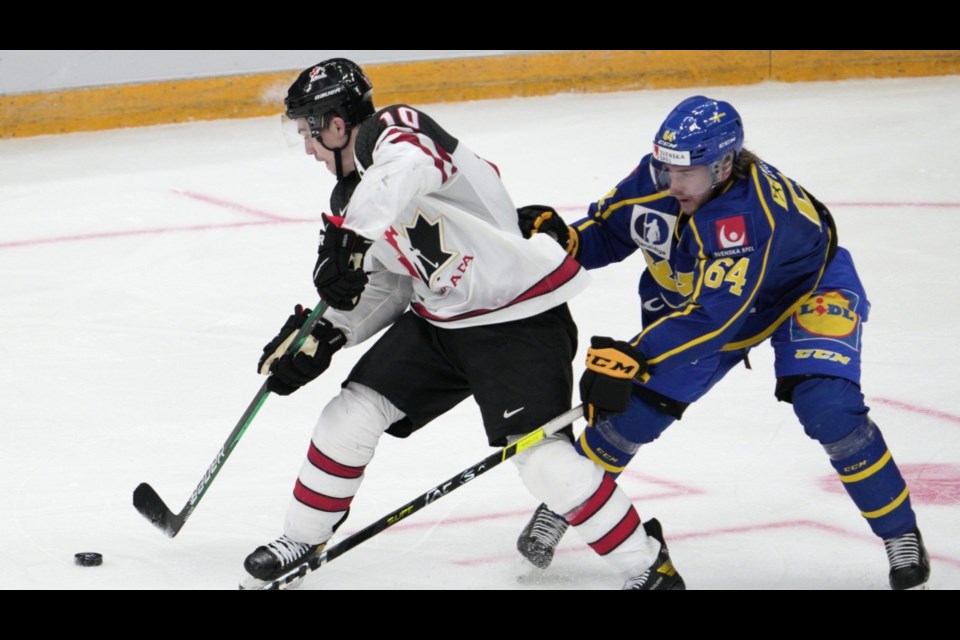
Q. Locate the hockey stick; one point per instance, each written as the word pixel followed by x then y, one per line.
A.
pixel 424 499
pixel 148 502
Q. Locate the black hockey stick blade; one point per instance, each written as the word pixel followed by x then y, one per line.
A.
pixel 151 506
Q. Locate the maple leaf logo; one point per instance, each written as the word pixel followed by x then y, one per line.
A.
pixel 427 247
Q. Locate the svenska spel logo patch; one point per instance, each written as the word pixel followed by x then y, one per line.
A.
pixel 733 236
pixel 671 156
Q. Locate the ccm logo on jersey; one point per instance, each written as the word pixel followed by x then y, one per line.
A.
pixel 734 236
pixel 821 354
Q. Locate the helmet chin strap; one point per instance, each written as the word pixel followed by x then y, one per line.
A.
pixel 337 157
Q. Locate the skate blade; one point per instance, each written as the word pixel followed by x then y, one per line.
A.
pixel 249 583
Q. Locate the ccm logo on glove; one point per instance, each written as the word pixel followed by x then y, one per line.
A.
pixel 607 384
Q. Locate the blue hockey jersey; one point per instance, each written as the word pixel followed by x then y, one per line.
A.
pixel 721 279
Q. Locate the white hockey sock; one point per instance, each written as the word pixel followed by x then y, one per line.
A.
pixel 608 522
pixel 591 501
pixel 343 443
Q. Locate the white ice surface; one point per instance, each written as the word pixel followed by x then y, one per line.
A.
pixel 141 271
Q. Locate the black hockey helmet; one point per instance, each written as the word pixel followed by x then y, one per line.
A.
pixel 337 85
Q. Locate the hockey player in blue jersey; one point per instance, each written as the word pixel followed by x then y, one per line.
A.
pixel 736 253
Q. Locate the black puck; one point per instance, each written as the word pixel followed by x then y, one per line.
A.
pixel 88 559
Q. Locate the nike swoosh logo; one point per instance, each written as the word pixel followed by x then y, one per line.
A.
pixel 510 414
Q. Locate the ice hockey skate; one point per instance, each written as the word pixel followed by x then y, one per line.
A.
pixel 539 539
pixel 661 575
pixel 909 561
pixel 272 560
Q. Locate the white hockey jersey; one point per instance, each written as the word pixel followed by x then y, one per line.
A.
pixel 447 242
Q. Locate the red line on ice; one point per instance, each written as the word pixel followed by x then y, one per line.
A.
pixel 926 411
pixel 234 206
pixel 271 218
pixel 924 205
pixel 581 547
pixel 265 217
pixel 141 232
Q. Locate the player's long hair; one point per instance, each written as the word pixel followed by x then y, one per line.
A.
pixel 741 168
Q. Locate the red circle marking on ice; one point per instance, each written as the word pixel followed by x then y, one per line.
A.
pixel 928 483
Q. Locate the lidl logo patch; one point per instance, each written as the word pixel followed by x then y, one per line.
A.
pixel 829 314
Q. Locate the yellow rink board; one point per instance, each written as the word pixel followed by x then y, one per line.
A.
pixel 451 80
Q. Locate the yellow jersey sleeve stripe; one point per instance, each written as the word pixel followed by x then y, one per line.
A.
pixel 887 509
pixel 696 234
pixel 603 214
pixel 583 225
pixel 869 471
pixel 607 211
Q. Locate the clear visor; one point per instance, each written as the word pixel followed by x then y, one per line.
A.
pixel 664 175
pixel 291 130
pixel 660 175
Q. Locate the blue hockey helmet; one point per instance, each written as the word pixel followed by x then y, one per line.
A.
pixel 699 131
pixel 337 85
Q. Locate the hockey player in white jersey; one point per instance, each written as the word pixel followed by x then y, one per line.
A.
pixel 426 242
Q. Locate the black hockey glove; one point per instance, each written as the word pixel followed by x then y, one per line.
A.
pixel 278 346
pixel 339 275
pixel 606 385
pixel 538 218
pixel 290 372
